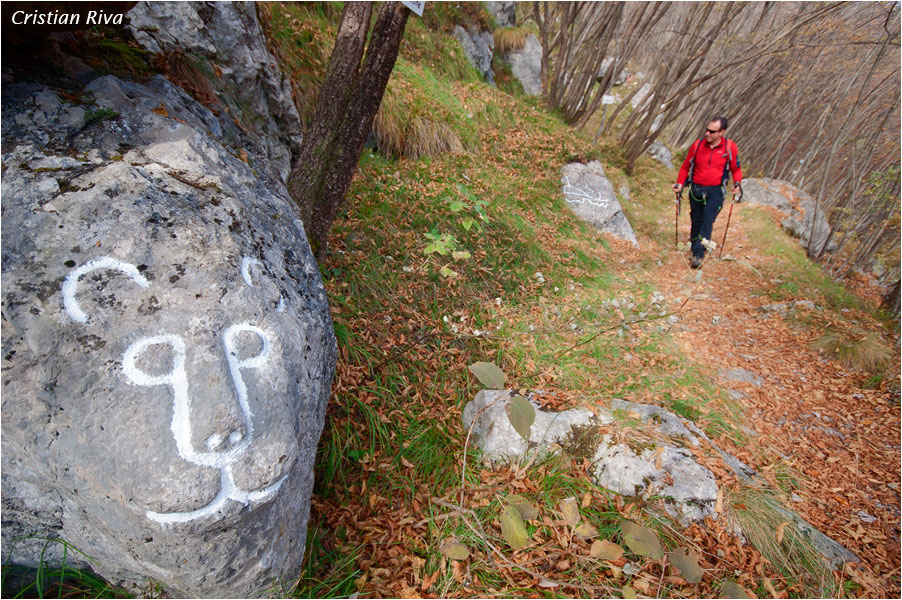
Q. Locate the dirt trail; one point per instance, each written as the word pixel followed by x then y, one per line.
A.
pixel 803 410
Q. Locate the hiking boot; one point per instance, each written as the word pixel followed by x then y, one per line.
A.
pixel 696 262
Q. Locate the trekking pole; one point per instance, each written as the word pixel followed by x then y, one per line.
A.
pixel 676 224
pixel 730 214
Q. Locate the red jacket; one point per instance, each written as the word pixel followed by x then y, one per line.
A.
pixel 711 163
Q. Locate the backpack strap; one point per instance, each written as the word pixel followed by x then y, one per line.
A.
pixel 698 146
pixel 726 167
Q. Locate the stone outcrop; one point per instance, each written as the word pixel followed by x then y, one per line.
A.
pixel 619 78
pixel 647 469
pixel 689 490
pixel 226 42
pixel 168 349
pixel 505 13
pixel 591 197
pixel 660 153
pixel 497 438
pixel 526 65
pixel 654 462
pixel 478 48
pixel 799 207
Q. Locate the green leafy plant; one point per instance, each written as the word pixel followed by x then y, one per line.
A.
pixel 472 207
pixel 488 374
pixel 522 415
pixel 513 528
pixel 440 243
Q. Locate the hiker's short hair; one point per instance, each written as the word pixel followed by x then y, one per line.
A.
pixel 723 122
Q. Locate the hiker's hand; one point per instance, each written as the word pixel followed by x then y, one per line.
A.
pixel 677 188
pixel 737 191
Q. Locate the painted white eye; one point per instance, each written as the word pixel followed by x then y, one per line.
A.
pixel 176 354
pixel 253 353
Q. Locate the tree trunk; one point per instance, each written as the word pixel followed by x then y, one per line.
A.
pixel 891 301
pixel 345 109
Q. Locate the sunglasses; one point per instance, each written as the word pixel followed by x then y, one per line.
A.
pixel 713 130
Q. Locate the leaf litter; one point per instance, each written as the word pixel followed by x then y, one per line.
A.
pixel 795 416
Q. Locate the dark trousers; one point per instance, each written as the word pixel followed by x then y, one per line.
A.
pixel 704 206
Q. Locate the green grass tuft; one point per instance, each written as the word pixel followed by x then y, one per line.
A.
pixel 72 578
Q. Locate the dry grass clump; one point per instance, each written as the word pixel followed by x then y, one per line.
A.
pixel 430 138
pixel 853 348
pixel 509 39
pixel 415 138
pixel 769 527
pixel 389 130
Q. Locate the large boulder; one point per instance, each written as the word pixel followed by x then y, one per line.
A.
pixel 505 13
pixel 661 153
pixel 799 207
pixel 478 48
pixel 526 65
pixel 591 197
pixel 226 42
pixel 167 345
pixel 618 79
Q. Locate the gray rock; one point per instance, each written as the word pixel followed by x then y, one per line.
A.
pixel 478 48
pixel 624 192
pixel 639 97
pixel 797 204
pixel 782 308
pixel 865 517
pixel 591 197
pixel 688 489
pixel 252 88
pixel 526 65
pixel 779 308
pixel 500 442
pixel 47 101
pixel 663 420
pixel 675 427
pixel 168 350
pixel 619 78
pixel 760 192
pixel 73 118
pixel 741 375
pixel 660 153
pixel 505 13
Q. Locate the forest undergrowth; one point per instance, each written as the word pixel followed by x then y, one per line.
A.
pixel 455 246
pixel 445 258
pixel 470 256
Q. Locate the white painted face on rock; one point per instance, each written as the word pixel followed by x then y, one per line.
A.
pixel 246 347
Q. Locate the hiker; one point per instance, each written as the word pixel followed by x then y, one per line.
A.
pixel 706 170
